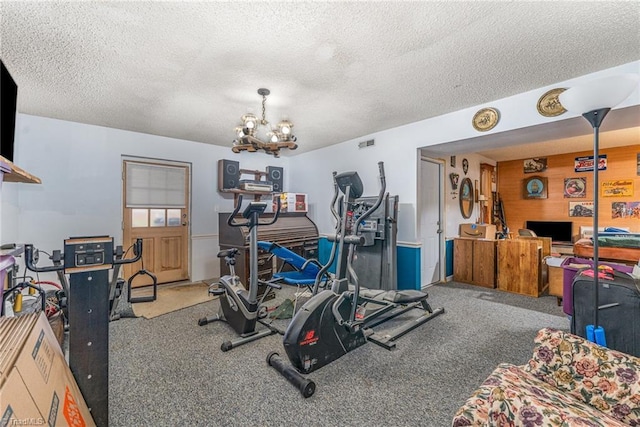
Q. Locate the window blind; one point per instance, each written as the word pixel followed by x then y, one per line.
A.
pixel 155 186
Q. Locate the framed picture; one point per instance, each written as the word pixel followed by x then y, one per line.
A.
pixel 452 161
pixel 618 188
pixel 584 209
pixel 535 188
pixel 585 163
pixel 638 164
pixel 625 210
pixel 575 188
pixel 535 165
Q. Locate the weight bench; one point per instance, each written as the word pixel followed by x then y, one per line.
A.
pixel 304 271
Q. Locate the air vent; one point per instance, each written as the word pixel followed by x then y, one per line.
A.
pixel 365 144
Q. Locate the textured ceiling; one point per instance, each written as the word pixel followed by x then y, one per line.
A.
pixel 337 70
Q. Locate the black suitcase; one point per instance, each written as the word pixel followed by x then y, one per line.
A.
pixel 619 313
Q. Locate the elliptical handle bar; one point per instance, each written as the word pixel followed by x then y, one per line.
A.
pixel 335 197
pixel 28 262
pixel 383 188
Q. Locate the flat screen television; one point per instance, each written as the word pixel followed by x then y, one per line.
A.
pixel 9 95
pixel 559 231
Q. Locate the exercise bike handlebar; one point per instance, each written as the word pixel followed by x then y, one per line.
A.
pixel 28 259
pixel 248 223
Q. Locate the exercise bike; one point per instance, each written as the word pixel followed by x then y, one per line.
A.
pixel 240 308
pixel 338 320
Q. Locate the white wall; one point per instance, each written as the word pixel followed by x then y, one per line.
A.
pixel 81 192
pixel 398 148
pixel 452 201
pixel 80 166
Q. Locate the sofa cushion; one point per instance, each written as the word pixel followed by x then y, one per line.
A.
pixel 520 399
pixel 603 378
pixel 510 396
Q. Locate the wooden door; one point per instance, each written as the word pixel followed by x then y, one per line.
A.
pixel 463 260
pixel 484 263
pixel 163 226
pixel 487 187
pixel 431 202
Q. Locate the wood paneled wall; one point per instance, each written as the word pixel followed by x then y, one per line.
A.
pixel 621 164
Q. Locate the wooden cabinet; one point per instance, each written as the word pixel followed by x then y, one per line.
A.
pixel 520 266
pixel 474 261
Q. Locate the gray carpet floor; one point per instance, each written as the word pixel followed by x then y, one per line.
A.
pixel 168 371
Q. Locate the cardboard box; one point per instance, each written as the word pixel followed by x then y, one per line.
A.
pixel 291 202
pixel 555 276
pixel 35 380
pixel 478 231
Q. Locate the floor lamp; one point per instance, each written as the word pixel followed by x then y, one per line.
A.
pixel 593 100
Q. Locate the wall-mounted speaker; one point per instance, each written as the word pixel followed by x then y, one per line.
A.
pixel 275 175
pixel 228 174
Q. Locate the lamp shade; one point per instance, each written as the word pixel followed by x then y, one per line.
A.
pixel 606 92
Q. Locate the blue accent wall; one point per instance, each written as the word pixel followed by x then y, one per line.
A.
pixel 449 257
pixel 408 263
pixel 409 268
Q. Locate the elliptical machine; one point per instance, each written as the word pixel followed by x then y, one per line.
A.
pixel 336 321
pixel 238 307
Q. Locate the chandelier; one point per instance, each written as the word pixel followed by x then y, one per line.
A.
pixel 271 141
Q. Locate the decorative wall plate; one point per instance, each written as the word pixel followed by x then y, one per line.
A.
pixel 549 104
pixel 535 188
pixel 485 119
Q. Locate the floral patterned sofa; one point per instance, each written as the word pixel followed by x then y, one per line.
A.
pixel 568 382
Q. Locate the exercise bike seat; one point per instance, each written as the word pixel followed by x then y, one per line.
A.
pixel 228 253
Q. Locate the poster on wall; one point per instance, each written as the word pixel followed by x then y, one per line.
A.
pixel 618 188
pixel 581 209
pixel 575 187
pixel 585 163
pixel 625 210
pixel 535 165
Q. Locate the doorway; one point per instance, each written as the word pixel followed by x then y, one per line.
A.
pixel 431 225
pixel 156 209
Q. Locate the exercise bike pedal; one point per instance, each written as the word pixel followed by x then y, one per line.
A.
pixel 217 291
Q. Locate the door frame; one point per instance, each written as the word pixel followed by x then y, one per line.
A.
pixel 160 161
pixel 442 218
